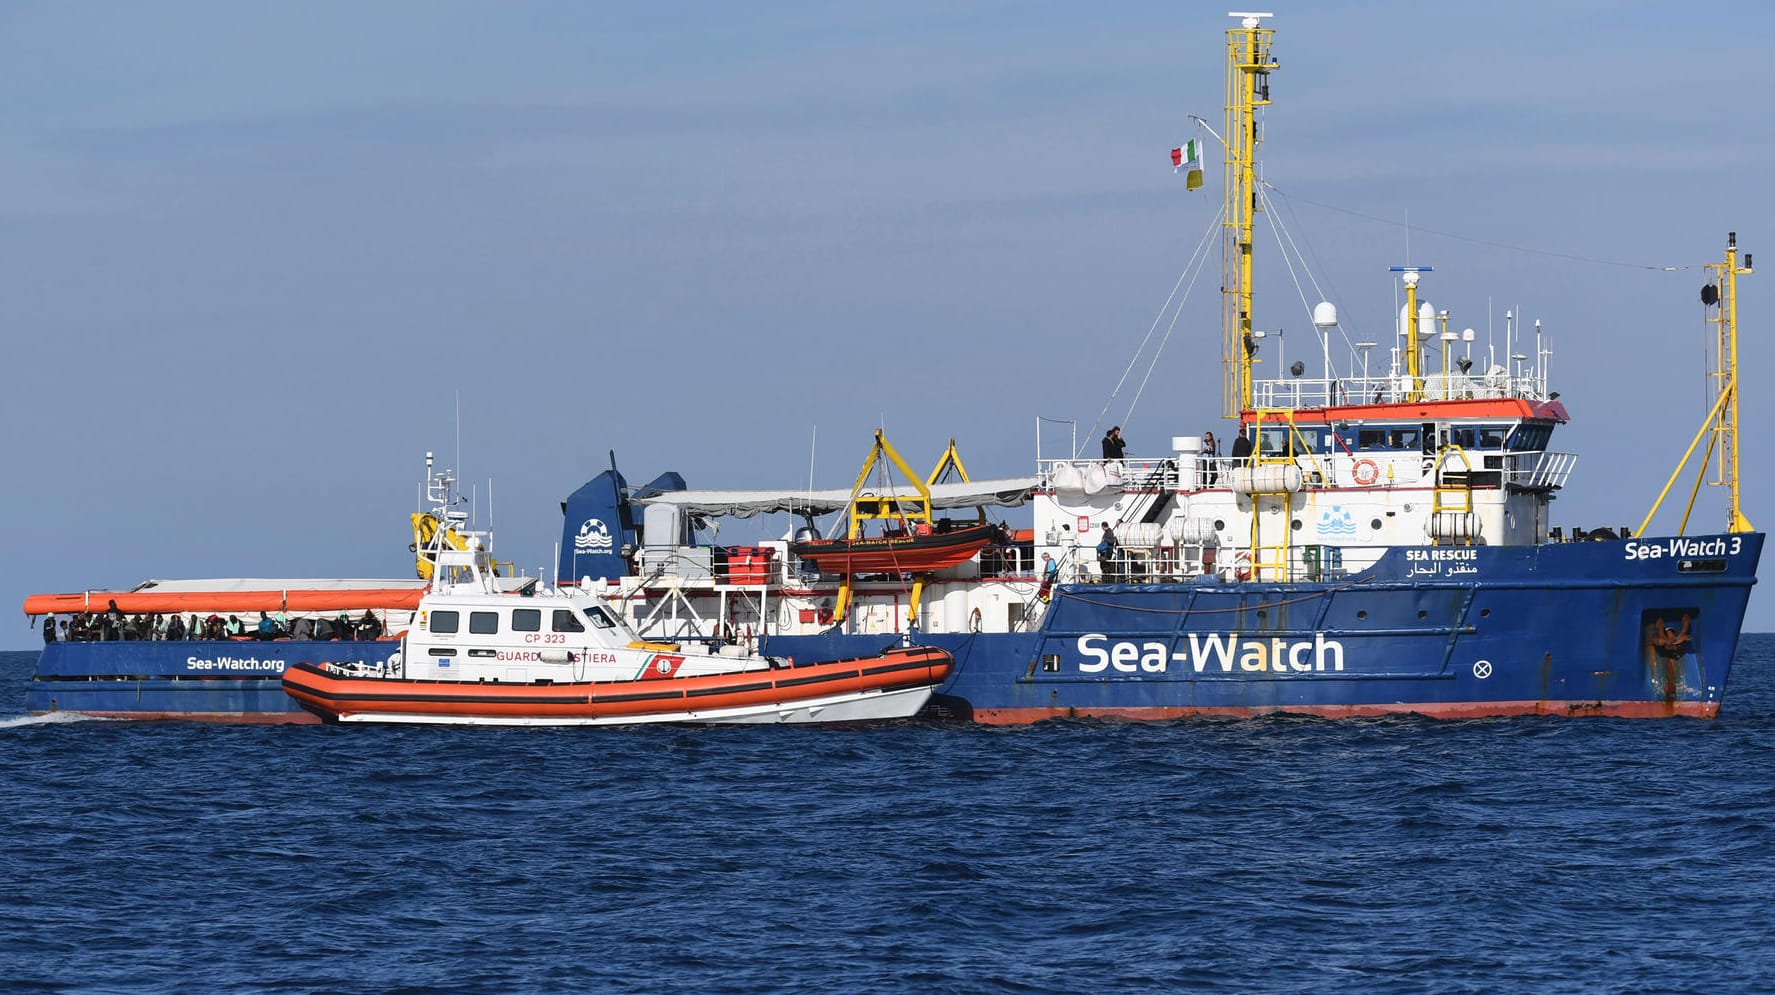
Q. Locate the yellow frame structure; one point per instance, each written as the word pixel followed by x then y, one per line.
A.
pixel 1721 424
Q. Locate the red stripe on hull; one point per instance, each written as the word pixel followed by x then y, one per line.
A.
pixel 1434 710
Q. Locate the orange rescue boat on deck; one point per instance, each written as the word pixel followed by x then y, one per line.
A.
pixel 918 550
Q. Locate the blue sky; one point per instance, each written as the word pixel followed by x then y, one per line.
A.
pixel 253 257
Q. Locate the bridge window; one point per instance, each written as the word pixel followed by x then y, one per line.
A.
pixel 1530 437
pixel 444 621
pixel 527 620
pixel 483 623
pixel 600 620
pixel 566 621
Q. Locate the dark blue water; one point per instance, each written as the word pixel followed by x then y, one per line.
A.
pixel 1272 855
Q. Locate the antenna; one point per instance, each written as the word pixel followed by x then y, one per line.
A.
pixel 1491 348
pixel 1540 358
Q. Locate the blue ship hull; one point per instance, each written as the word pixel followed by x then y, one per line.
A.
pixel 1639 628
pixel 1626 627
pixel 222 681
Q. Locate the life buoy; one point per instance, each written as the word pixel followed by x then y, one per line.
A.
pixel 1365 472
pixel 1242 565
pixel 974 621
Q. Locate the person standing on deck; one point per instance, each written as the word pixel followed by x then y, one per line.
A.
pixel 1106 554
pixel 1113 444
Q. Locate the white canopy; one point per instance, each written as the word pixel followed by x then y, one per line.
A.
pixel 1007 493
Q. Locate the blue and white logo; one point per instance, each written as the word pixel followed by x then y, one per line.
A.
pixel 594 537
pixel 1336 522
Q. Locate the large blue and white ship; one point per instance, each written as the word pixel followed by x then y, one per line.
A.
pixel 1367 543
pixel 1358 544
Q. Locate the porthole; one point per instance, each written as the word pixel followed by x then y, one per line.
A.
pixel 1422 614
pixel 1219 526
pixel 1374 523
pixel 1361 616
pixel 1296 525
pixel 1485 613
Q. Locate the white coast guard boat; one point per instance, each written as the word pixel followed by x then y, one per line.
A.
pixel 548 656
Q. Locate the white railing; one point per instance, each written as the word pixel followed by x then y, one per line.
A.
pixel 1305 392
pixel 1547 470
pixel 1095 476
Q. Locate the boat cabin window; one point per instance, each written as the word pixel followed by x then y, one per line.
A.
pixel 1479 436
pixel 1389 438
pixel 483 623
pixel 600 618
pixel 566 621
pixel 1531 437
pixel 527 620
pixel 1279 440
pixel 444 621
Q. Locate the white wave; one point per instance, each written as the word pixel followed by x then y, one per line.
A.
pixel 53 717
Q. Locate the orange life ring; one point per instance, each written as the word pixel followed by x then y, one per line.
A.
pixel 1242 565
pixel 1364 472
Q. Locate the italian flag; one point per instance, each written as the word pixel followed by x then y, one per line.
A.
pixel 1188 156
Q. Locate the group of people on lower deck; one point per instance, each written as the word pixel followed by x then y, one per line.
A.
pixel 113 624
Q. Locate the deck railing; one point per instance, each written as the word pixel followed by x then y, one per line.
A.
pixel 1303 392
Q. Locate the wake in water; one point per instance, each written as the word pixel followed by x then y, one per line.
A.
pixel 50 719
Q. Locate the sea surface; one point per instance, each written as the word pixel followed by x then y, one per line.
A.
pixel 1270 855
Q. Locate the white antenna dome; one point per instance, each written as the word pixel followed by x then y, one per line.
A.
pixel 1426 319
pixel 1325 314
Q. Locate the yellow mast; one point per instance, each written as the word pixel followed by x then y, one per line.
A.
pixel 1722 418
pixel 1727 425
pixel 1249 65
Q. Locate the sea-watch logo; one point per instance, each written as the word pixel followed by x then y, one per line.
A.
pixel 1337 522
pixel 594 537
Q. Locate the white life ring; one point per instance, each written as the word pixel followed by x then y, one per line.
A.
pixel 1365 472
